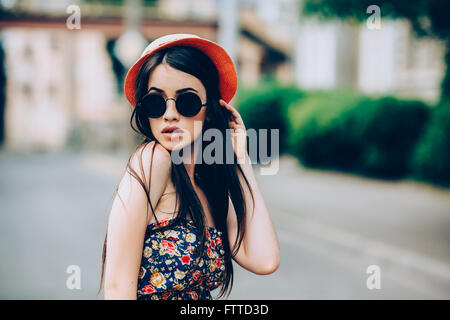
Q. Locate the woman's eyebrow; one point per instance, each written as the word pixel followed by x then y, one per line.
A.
pixel 178 91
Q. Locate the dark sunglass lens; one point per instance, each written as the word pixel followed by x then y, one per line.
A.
pixel 154 105
pixel 189 104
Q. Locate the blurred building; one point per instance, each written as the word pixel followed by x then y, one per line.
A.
pixel 391 60
pixel 64 85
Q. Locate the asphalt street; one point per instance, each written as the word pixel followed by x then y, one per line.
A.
pixel 331 227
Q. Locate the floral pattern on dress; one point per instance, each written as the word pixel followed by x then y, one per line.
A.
pixel 168 270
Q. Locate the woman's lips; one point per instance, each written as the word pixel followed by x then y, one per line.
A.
pixel 173 134
pixel 170 128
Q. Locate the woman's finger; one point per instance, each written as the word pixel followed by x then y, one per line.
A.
pixel 236 121
pixel 234 112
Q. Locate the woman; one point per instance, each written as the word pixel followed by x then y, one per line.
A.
pixel 203 213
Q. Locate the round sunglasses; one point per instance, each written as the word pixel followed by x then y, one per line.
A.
pixel 154 105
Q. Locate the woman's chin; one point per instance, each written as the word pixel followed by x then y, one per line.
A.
pixel 173 145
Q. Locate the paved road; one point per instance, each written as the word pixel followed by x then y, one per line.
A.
pixel 331 227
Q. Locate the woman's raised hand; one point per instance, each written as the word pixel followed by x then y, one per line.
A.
pixel 238 133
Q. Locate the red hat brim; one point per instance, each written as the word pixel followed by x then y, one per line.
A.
pixel 218 55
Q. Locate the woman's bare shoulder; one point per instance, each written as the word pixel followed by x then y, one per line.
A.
pixel 150 166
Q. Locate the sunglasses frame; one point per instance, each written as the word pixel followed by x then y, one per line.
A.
pixel 176 104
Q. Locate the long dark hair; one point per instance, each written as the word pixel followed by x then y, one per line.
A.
pixel 193 61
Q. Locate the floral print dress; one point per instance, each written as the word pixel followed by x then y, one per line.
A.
pixel 168 270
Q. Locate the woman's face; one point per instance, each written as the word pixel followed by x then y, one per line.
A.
pixel 170 80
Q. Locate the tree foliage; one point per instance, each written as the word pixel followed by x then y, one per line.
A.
pixel 428 17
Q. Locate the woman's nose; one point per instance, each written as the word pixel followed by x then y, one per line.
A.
pixel 171 110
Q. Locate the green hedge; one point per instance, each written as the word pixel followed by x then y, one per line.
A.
pixel 318 136
pixel 431 160
pixel 390 134
pixel 265 107
pixel 381 137
pixel 342 130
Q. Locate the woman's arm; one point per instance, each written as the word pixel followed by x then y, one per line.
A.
pixel 128 221
pixel 259 251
